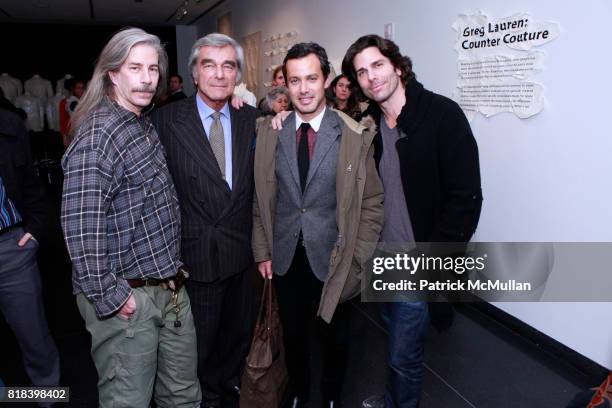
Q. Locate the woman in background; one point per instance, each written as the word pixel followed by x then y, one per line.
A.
pixel 342 97
pixel 278 79
pixel 278 99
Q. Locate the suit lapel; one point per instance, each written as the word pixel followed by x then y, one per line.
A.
pixel 240 147
pixel 326 136
pixel 286 138
pixel 190 133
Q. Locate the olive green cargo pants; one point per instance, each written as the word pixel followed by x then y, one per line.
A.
pixel 146 355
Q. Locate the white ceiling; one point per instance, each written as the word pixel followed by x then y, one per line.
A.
pixel 115 12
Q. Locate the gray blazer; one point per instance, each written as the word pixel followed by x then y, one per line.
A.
pixel 314 211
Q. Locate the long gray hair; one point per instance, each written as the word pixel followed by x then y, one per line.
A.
pixel 215 40
pixel 111 58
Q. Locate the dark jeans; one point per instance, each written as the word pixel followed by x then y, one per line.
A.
pixel 22 306
pixel 298 293
pixel 407 323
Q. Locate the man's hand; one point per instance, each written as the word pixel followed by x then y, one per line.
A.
pixel 277 121
pixel 128 309
pixel 237 102
pixel 26 237
pixel 265 269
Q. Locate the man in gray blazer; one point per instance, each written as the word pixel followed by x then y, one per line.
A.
pixel 316 218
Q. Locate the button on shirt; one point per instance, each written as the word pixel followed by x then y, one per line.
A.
pixel 120 212
pixel 9 216
pixel 205 113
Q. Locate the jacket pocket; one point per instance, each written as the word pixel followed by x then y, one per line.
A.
pixel 352 287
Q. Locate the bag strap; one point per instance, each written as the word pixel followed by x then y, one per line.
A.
pixel 264 296
pixel 270 298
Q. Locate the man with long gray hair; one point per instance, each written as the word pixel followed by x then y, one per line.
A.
pixel 209 149
pixel 121 224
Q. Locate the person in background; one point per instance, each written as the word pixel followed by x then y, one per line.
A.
pixel 175 89
pixel 277 100
pixel 343 98
pixel 68 105
pixel 22 216
pixel 278 79
pixel 76 88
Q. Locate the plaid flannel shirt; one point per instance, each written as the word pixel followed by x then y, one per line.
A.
pixel 120 212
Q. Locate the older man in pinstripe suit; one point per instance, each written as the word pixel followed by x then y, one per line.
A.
pixel 210 149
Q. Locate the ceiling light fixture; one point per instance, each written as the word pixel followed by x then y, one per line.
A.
pixel 181 12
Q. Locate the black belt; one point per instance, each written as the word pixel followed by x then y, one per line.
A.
pixel 137 283
pixel 177 281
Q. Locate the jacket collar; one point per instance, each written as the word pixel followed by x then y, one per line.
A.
pixel 329 131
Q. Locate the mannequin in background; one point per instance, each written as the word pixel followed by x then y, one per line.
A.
pixel 35 122
pixel 34 109
pixel 60 86
pixel 11 87
pixel 52 112
pixel 39 87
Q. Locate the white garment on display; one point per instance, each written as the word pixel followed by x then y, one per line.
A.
pixel 53 111
pixel 246 95
pixel 11 87
pixel 19 85
pixel 34 109
pixel 39 87
pixel 59 86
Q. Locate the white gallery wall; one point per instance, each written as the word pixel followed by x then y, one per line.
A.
pixel 547 178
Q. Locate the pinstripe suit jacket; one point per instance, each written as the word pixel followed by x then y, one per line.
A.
pixel 216 221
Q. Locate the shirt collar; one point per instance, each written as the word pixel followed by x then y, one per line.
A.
pixel 124 114
pixel 315 123
pixel 206 111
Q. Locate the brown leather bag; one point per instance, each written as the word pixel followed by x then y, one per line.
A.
pixel 265 378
